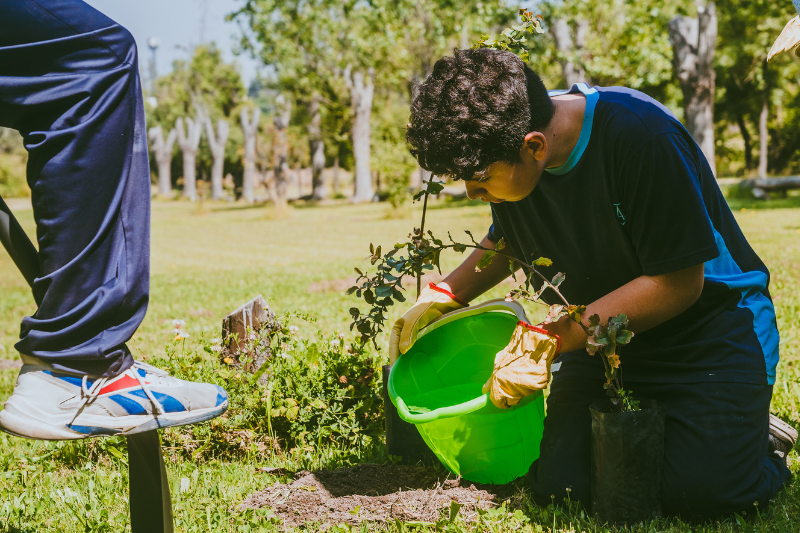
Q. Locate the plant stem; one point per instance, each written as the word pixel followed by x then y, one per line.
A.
pixel 422 234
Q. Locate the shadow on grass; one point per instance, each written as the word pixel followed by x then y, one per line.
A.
pixel 790 202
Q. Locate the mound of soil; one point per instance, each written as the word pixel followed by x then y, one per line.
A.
pixel 374 493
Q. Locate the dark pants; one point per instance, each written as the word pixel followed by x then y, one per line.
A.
pixel 715 446
pixel 69 83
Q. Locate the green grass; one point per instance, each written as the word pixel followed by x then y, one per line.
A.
pixel 207 261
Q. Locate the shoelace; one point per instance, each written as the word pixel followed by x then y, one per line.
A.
pixel 90 393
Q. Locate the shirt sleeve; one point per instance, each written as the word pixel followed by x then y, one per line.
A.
pixel 662 208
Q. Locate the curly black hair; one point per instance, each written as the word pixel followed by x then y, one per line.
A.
pixel 474 110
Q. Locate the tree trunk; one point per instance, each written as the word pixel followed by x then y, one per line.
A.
pixel 562 35
pixel 217 144
pixel 188 142
pixel 317 149
pixel 693 46
pixel 748 146
pixel 250 129
pixel 336 174
pixel 163 154
pixel 361 98
pixel 283 113
pixel 763 136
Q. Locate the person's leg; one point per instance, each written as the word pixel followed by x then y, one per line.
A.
pixel 565 452
pixel 69 83
pixel 715 448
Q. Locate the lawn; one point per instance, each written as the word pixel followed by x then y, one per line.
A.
pixel 207 260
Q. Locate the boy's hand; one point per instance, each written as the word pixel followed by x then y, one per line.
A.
pixel 432 303
pixel 522 367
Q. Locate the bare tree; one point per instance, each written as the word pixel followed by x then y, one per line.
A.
pixel 693 46
pixel 189 141
pixel 763 133
pixel 163 153
pixel 361 97
pixel 562 35
pixel 250 129
pixel 280 162
pixel 317 148
pixel 217 144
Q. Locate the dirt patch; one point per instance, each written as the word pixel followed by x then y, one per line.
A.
pixel 374 493
pixel 6 364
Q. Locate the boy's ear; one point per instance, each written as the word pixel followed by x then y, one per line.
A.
pixel 535 145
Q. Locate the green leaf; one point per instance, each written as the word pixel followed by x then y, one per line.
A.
pixel 500 244
pixel 369 297
pixel 594 321
pixel 485 260
pixel 435 187
pixel 454 508
pixel 624 336
pixel 460 248
pixel 383 291
pixel 543 261
pixel 351 290
pixel 557 279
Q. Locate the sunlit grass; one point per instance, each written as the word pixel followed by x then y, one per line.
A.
pixel 205 264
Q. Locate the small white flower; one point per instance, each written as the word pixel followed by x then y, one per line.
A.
pixel 284 355
pixel 293 329
pixel 178 323
pixel 340 335
pixel 334 343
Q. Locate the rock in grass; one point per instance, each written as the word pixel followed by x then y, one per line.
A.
pixel 246 334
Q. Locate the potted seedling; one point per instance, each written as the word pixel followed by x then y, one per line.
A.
pixel 628 433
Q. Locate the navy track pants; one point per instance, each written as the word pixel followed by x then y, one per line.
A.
pixel 69 84
pixel 715 446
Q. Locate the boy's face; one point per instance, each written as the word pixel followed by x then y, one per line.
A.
pixel 511 182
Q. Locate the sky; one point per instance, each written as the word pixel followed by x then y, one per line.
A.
pixel 179 25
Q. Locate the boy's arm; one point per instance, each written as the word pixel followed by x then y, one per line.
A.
pixel 647 300
pixel 467 284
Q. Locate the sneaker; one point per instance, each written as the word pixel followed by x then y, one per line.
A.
pixel 782 438
pixel 51 405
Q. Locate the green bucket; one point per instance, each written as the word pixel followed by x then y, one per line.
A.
pixel 437 386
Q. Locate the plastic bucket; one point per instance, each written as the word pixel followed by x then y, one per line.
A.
pixel 437 386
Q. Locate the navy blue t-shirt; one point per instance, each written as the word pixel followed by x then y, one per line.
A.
pixel 637 197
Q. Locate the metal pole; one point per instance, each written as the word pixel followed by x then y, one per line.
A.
pixel 150 502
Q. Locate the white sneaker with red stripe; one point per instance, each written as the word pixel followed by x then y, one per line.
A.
pixel 51 405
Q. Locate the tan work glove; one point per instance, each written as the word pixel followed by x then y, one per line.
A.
pixel 432 303
pixel 522 367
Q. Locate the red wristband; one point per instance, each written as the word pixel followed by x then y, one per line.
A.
pixel 542 330
pixel 433 286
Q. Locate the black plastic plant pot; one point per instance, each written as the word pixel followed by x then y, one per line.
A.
pixel 627 462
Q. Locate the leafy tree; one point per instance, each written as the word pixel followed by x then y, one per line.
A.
pixel 755 98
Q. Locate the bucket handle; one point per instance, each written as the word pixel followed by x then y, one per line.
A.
pixel 495 305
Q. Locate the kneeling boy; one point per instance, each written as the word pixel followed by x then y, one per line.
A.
pixel 608 184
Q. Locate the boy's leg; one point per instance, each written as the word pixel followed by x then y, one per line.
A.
pixel 715 448
pixel 69 83
pixel 565 452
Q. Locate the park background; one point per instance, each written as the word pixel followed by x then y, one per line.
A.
pixel 326 174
